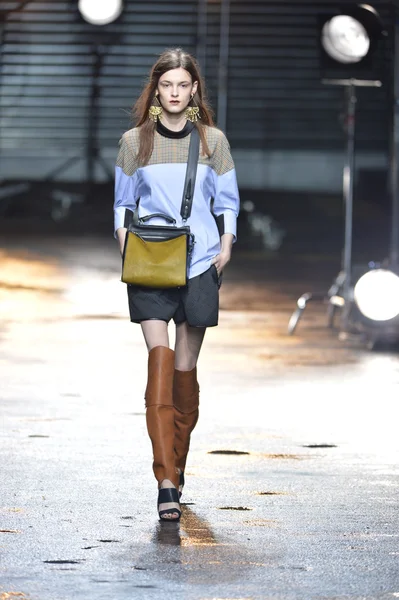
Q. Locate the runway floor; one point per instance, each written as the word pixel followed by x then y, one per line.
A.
pixel 293 477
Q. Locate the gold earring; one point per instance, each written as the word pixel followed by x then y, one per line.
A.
pixel 155 112
pixel 192 113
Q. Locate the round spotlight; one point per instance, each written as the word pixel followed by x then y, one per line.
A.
pixel 377 295
pixel 351 36
pixel 345 39
pixel 100 12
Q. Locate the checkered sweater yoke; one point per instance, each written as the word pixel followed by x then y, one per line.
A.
pixel 159 186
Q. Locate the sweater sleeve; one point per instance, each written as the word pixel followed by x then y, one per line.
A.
pixel 226 203
pixel 126 181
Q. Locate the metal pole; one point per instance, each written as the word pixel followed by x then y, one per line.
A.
pixel 223 64
pixel 2 43
pixel 3 20
pixel 348 180
pixel 93 116
pixel 394 150
pixel 202 34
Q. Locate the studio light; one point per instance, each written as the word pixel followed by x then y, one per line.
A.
pixel 100 12
pixel 366 299
pixel 377 295
pixel 349 38
pixel 345 39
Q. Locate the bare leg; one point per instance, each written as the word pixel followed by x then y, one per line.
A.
pixel 188 345
pixel 155 333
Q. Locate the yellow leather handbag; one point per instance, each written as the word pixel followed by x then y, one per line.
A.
pixel 157 256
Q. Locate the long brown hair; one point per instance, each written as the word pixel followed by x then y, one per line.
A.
pixel 172 58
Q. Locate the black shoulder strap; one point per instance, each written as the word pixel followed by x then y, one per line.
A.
pixel 189 184
pixel 191 174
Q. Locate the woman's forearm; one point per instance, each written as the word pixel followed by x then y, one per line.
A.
pixel 121 233
pixel 226 242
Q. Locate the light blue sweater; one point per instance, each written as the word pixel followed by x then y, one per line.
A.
pixel 159 186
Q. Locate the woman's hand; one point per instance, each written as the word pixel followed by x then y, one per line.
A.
pixel 221 260
pixel 121 233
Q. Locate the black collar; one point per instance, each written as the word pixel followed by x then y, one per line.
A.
pixel 187 129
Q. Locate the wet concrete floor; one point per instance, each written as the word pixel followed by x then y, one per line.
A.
pixel 293 477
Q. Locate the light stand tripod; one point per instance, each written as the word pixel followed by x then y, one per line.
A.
pixel 62 200
pixel 92 154
pixel 340 294
pixel 14 189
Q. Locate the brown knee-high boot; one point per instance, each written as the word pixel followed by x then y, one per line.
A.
pixel 160 412
pixel 186 402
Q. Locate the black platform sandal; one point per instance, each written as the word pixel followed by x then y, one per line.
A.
pixel 168 503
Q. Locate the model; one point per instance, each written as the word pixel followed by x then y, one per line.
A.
pixel 150 176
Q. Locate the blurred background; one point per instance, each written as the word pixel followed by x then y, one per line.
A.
pixel 301 429
pixel 67 86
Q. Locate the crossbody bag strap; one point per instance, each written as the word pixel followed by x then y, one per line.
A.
pixel 189 183
pixel 191 174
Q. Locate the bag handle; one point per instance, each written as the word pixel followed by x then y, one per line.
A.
pixel 167 218
pixel 191 174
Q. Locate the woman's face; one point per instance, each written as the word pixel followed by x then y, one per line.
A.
pixel 175 88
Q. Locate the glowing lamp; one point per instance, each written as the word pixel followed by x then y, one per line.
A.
pixel 377 295
pixel 350 37
pixel 345 39
pixel 100 12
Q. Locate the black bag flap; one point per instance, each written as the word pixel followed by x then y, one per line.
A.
pixel 158 233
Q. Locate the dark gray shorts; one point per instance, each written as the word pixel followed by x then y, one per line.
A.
pixel 197 302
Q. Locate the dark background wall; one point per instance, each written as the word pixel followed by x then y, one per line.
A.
pixel 276 101
pixel 66 90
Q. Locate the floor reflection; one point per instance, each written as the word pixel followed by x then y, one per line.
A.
pixel 198 531
pixel 192 530
pixel 185 550
pixel 167 534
